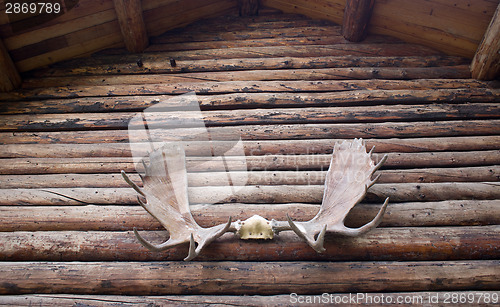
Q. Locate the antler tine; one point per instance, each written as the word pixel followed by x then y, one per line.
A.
pixel 212 234
pixel 368 226
pixel 308 236
pixel 156 248
pixel 132 184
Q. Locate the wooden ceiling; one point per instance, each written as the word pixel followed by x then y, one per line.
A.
pixel 455 27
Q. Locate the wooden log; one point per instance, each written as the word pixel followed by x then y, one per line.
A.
pixel 261 42
pixel 299 30
pixel 184 119
pixel 357 14
pixel 125 218
pixel 10 78
pixel 249 147
pixel 343 97
pixel 307 50
pixel 261 132
pixel 317 162
pixel 113 180
pixel 486 62
pixel 397 192
pixel 248 7
pixel 246 300
pixel 129 14
pixel 426 175
pixel 225 87
pixel 156 64
pixel 128 278
pixel 381 244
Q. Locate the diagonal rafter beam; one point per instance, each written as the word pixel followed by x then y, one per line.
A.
pixel 486 62
pixel 129 14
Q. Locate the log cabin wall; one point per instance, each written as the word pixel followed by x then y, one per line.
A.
pixel 290 86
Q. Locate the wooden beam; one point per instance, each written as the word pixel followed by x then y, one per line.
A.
pixel 133 28
pixel 357 15
pixel 486 62
pixel 235 277
pixel 381 244
pixel 9 78
pixel 248 7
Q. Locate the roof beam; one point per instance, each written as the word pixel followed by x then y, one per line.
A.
pixel 129 13
pixel 357 14
pixel 486 62
pixel 248 7
pixel 9 78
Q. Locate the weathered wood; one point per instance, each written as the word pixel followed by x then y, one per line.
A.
pixel 9 78
pixel 398 192
pixel 382 244
pixel 252 163
pixel 258 277
pixel 426 175
pixel 250 148
pixel 342 97
pixel 298 29
pixel 486 62
pixel 261 132
pixel 308 50
pixel 248 7
pixel 261 42
pixel 129 14
pixel 210 87
pixel 44 300
pixel 176 119
pixel 156 64
pixel 357 14
pixel 124 218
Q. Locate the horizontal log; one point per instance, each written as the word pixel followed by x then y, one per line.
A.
pixel 115 180
pixel 250 148
pixel 124 218
pixel 397 192
pixel 188 119
pixel 249 33
pixel 128 278
pixel 20 166
pixel 180 86
pixel 120 82
pixel 245 300
pixel 374 49
pixel 256 100
pixel 382 244
pixel 261 132
pixel 317 40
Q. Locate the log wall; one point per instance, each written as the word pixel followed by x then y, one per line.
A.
pixel 67 215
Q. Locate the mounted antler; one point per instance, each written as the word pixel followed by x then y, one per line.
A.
pixel 347 181
pixel 165 190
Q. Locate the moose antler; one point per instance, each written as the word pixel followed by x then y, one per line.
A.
pixel 165 190
pixel 347 181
